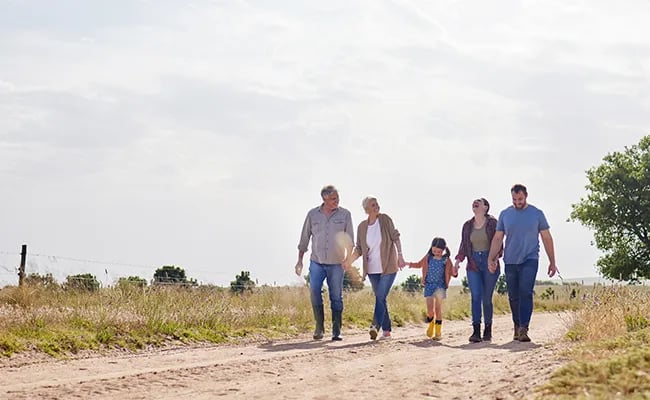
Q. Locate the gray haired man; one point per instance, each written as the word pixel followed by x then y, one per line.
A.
pixel 330 229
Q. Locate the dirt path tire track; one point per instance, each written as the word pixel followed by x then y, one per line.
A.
pixel 409 366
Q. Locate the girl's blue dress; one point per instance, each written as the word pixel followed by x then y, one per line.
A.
pixel 435 281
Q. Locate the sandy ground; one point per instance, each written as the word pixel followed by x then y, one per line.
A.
pixel 408 366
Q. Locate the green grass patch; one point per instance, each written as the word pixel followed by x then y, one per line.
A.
pixel 9 345
pixel 622 370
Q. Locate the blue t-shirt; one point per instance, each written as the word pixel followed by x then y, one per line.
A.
pixel 521 228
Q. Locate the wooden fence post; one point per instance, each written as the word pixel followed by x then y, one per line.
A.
pixel 21 271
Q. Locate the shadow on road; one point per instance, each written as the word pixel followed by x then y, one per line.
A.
pixel 513 346
pixel 307 345
pixel 312 344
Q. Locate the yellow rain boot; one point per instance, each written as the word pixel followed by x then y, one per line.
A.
pixel 438 328
pixel 430 327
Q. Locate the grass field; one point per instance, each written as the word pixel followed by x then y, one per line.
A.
pixel 610 350
pixel 609 335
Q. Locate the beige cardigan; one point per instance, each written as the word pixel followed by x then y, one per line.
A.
pixel 387 249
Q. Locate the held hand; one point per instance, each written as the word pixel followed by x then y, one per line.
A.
pixel 552 269
pixel 457 264
pixel 400 262
pixel 346 265
pixel 492 266
pixel 298 268
pixel 364 277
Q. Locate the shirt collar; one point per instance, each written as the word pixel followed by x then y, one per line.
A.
pixel 323 205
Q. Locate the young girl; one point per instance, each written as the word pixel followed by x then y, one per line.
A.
pixel 437 270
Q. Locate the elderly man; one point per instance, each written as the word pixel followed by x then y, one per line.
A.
pixel 330 229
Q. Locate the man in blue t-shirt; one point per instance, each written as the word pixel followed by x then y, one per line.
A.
pixel 521 224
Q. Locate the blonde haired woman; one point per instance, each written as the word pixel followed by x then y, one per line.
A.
pixel 379 244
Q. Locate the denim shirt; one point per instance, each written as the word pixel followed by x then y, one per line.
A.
pixel 330 236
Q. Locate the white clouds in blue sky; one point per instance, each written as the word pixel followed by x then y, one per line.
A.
pixel 200 133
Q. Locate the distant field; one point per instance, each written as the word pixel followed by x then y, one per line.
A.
pixel 57 321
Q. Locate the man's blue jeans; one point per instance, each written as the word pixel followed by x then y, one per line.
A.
pixel 333 273
pixel 520 279
pixel 481 286
pixel 381 285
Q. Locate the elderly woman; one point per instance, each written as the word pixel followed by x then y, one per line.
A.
pixel 476 237
pixel 378 242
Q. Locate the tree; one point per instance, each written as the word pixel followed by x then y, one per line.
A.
pixel 45 281
pixel 465 284
pixel 132 281
pixel 242 283
pixel 501 286
pixel 617 208
pixel 172 274
pixel 81 282
pixel 549 293
pixel 352 279
pixel 413 283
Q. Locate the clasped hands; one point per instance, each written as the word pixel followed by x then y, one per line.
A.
pixel 492 266
pixel 400 264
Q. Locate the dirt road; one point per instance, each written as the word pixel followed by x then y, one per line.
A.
pixel 409 366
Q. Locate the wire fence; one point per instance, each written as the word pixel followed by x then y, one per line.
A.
pixel 57 269
pixel 49 269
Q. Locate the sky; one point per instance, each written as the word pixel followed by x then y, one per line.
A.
pixel 137 134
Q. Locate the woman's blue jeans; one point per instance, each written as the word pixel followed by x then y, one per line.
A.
pixel 381 285
pixel 481 286
pixel 520 279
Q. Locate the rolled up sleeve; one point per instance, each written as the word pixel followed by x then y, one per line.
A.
pixel 349 229
pixel 305 235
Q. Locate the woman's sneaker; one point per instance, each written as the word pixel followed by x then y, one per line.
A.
pixel 373 332
pixel 385 335
pixel 523 335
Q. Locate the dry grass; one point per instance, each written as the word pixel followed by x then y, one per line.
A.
pixel 59 322
pixel 56 321
pixel 612 311
pixel 611 355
